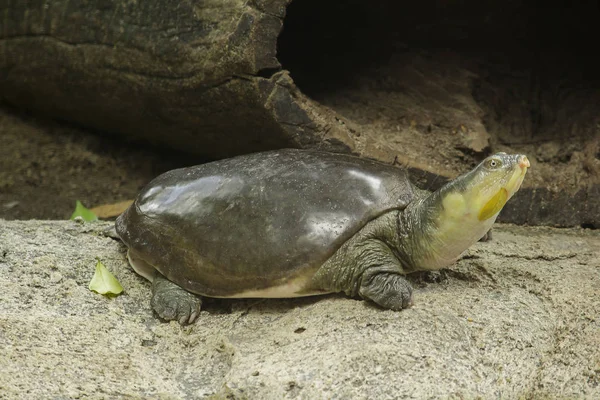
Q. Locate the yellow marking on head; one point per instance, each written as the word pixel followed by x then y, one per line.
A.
pixel 494 205
pixel 454 205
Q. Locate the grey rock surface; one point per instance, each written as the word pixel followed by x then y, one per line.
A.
pixel 517 317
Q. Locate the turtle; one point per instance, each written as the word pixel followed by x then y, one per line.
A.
pixel 291 223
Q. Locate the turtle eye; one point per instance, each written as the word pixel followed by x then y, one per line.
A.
pixel 493 163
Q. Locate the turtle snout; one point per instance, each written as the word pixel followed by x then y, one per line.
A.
pixel 523 162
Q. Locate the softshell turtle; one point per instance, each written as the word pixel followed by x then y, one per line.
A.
pixel 291 223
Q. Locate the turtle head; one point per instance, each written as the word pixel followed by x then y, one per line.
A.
pixel 446 223
pixel 492 183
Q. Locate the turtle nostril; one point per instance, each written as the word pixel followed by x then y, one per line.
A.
pixel 523 162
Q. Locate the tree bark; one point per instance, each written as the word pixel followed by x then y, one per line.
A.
pixel 193 75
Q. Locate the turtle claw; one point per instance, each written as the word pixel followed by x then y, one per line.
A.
pixel 487 237
pixel 171 302
pixel 183 320
pixel 193 316
pixel 188 318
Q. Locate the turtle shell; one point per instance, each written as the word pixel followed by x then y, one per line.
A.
pixel 253 222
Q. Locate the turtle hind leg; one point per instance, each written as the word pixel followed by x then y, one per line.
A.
pixel 172 302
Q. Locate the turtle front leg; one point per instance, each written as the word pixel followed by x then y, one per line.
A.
pixel 369 269
pixel 172 302
pixel 387 289
pixel 487 237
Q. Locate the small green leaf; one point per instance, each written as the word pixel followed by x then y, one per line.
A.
pixel 81 211
pixel 104 282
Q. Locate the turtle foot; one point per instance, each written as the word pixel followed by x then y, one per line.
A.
pixel 171 302
pixel 487 237
pixel 389 290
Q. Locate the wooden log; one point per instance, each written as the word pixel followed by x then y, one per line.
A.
pixel 197 76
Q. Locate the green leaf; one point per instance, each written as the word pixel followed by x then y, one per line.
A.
pixel 81 211
pixel 104 282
